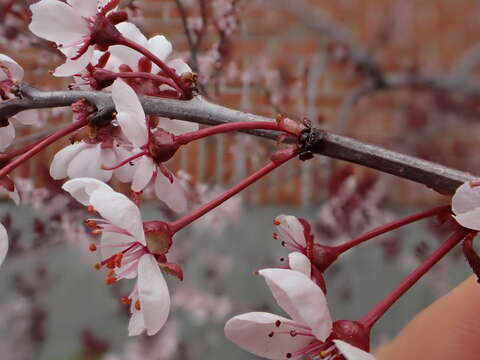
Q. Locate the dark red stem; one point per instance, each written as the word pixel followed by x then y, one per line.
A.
pixel 391 226
pixel 160 63
pixel 148 76
pixel 223 128
pixel 39 146
pixel 275 162
pixel 376 313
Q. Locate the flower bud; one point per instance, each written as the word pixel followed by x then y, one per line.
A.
pixel 158 236
pixel 162 146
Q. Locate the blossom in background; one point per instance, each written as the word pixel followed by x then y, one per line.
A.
pixel 466 206
pixel 308 332
pixel 72 26
pixel 10 74
pixel 125 252
pixel 149 167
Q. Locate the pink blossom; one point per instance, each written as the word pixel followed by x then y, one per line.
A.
pixel 126 252
pixel 72 27
pixel 149 168
pixel 307 332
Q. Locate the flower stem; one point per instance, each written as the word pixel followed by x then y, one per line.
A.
pixel 42 144
pixel 391 226
pixel 371 317
pixel 147 76
pixel 276 160
pixel 186 138
pixel 186 92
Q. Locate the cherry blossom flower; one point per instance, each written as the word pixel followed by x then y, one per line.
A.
pixel 10 74
pixel 466 206
pixel 308 332
pixel 291 233
pixel 126 251
pixel 75 26
pixel 154 147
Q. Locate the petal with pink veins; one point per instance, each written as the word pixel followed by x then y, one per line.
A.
pixel 130 114
pixel 112 243
pixel 351 352
pixel 3 243
pixel 144 169
pixel 82 188
pixel 299 262
pixel 120 211
pixel 153 294
pixel 15 71
pixel 172 194
pixel 56 21
pixel 301 298
pixel 291 228
pixel 251 332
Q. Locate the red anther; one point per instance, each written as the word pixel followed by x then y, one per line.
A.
pixel 276 222
pixel 91 223
pixel 278 323
pixel 137 305
pixel 92 247
pixel 270 334
pixel 125 300
pixel 97 266
pixel 90 209
pixel 96 232
pixel 110 280
pixel 118 260
pixel 111 265
pixel 110 273
pixel 275 236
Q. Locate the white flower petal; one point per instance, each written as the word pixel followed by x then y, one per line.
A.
pixel 351 352
pixel 119 210
pixel 301 298
pixel 160 46
pixel 180 66
pixel 123 173
pixel 82 188
pixel 86 8
pixel 466 198
pixel 3 243
pixel 7 134
pixel 172 194
pixel 72 67
pixel 299 262
pixel 58 22
pixel 251 332
pixel 61 160
pixel 16 71
pixel 130 114
pixel 177 127
pixel 144 169
pixel 136 325
pixel 153 294
pixel 291 228
pixel 88 163
pixel 470 220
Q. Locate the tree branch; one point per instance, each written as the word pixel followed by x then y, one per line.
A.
pixel 198 110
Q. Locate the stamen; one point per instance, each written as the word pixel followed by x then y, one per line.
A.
pixel 137 305
pixel 92 247
pixel 275 236
pixel 270 334
pixel 97 266
pixel 91 209
pixel 276 222
pixel 125 300
pixel 91 223
pixel 278 323
pixel 96 231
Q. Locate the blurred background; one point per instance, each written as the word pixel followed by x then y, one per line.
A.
pixel 402 74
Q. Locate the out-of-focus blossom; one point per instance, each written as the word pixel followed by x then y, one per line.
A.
pixel 466 206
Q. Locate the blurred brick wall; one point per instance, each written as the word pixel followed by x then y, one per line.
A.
pixel 274 45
